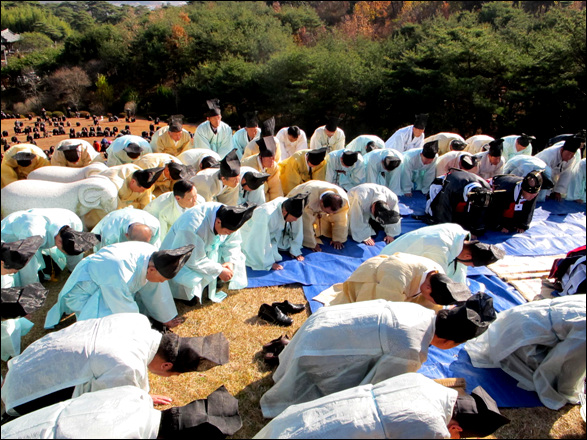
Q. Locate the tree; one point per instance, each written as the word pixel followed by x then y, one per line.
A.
pixel 69 85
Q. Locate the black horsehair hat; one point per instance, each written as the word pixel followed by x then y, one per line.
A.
pixel 169 262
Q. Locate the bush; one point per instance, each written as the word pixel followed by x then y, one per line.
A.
pixel 84 114
pixel 49 114
pixel 57 114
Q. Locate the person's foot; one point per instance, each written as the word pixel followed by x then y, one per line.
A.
pixel 274 316
pixel 289 308
pixel 175 322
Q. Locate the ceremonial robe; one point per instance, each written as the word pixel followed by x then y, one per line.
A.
pixel 116 153
pixel 166 209
pixel 360 143
pixel 161 142
pixel 87 153
pixel 415 174
pixel 509 148
pixel 376 173
pixel 320 139
pixel 12 171
pixel 345 177
pixel 114 227
pixel 219 141
pixel 240 139
pixel 121 175
pixel 273 184
pixel 295 170
pixel 403 140
pixel 288 148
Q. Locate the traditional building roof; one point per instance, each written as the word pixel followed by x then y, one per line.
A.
pixel 9 37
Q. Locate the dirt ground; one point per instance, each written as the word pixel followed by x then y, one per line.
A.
pixel 245 376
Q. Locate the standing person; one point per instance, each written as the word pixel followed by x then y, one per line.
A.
pixel 365 144
pixel 491 162
pixel 382 167
pixel 214 134
pixel 301 167
pixel 250 132
pixel 291 139
pixel 419 169
pixel 515 145
pixel 19 160
pixel 75 153
pixel 329 136
pixel 345 168
pixel 410 137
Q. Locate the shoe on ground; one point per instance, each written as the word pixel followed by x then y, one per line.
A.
pixel 289 308
pixel 274 316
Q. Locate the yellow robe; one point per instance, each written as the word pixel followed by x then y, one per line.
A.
pixel 394 277
pixel 121 175
pixel 87 155
pixel 444 140
pixel 162 142
pixel 156 160
pixel 316 222
pixel 295 170
pixel 11 171
pixel 273 184
pixel 253 148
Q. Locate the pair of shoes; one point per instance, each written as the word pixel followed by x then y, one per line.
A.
pixel 276 346
pixel 289 308
pixel 274 315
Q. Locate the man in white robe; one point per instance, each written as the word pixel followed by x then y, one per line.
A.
pixel 561 158
pixel 329 136
pixel 515 145
pixel 447 142
pixel 410 137
pixel 344 346
pixel 214 134
pixel 274 227
pixel 460 160
pixel 250 132
pixel 213 229
pixel 577 182
pixel 291 139
pixel 126 277
pixel 127 224
pixel 126 149
pixel 222 182
pixel 200 158
pixel 409 406
pixel 541 344
pixel 345 168
pixel 373 208
pixel 97 354
pixel 365 144
pixel 169 206
pixel 251 188
pixel 491 162
pixel 418 169
pixel 449 245
pixel 478 143
pixel 382 167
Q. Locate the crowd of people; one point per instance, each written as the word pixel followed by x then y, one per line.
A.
pixel 194 210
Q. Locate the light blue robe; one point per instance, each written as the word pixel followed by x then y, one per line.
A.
pixel 403 140
pixel 167 210
pixel 509 148
pixel 521 165
pixel 116 153
pixel 267 232
pixel 361 198
pixel 441 243
pixel 219 142
pixel 321 140
pixel 240 139
pixel 577 184
pixel 196 226
pixel 360 143
pixel 114 227
pixel 416 175
pixel 345 177
pixel 255 197
pixel 561 170
pixel 375 173
pixel 114 280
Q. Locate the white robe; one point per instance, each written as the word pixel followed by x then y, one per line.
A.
pixel 166 209
pixel 114 280
pixel 240 196
pixel 360 200
pixel 348 345
pixel 452 159
pixel 210 187
pixel 196 226
pixel 376 173
pixel 288 148
pixel 320 140
pixel 116 153
pixel 403 140
pixel 196 155
pixel 114 227
pixel 267 232
pixel 415 174
pixel 441 243
pixel 220 142
pixel 540 344
pixel 89 355
pixel 360 143
pixel 123 412
pixel 240 139
pixel 476 143
pixel 485 169
pixel 444 140
pixel 577 182
pixel 409 406
pixel 345 177
pixel 509 148
pixel 561 170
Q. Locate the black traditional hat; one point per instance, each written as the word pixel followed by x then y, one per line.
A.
pixel 178 171
pixel 430 149
pixel 445 291
pixel 484 254
pixel 215 417
pixel 467 320
pixel 496 147
pixel 70 152
pixel 24 158
pixel 17 254
pixel 213 107
pixel 176 123
pixel 267 146
pixel 457 145
pixel 524 140
pixel 147 178
pixel 420 121
pixel 169 262
pixel 295 205
pixel 209 162
pixel 201 353
pixel 21 301
pixel 332 123
pixel 391 162
pixel 477 414
pixel 251 120
pixel 385 216
pixel 467 162
pixel 532 182
pixel 349 158
pixel 233 217
pixel 479 197
pixel 268 127
pixel 74 242
pixel 230 166
pixel 572 144
pixel 254 179
pixel 316 157
pixel 133 150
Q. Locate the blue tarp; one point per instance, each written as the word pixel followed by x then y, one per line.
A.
pixel 556 228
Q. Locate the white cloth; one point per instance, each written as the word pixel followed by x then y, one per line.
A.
pixel 288 148
pixel 320 140
pixel 449 160
pixel 561 170
pixel 485 169
pixel 196 226
pixel 403 140
pixel 344 346
pixel 361 198
pixel 267 232
pixel 444 140
pixel 209 186
pixel 196 155
pixel 360 143
pixel 409 406
pixel 441 243
pixel 90 355
pixel 167 210
pixel 114 227
pixel 220 142
pixel 240 197
pixel 376 173
pixel 509 148
pixel 415 174
pixel 123 412
pixel 345 177
pixel 540 344
pixel 240 139
pixel 11 331
pixel 116 153
pixel 574 277
pixel 476 144
pixel 577 181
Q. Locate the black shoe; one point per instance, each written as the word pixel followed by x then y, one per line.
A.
pixel 276 346
pixel 271 359
pixel 289 308
pixel 274 316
